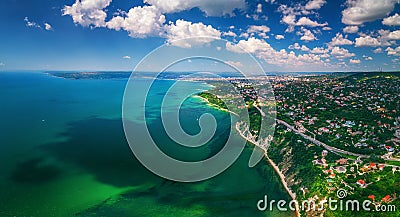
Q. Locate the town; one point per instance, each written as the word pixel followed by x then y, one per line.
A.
pixel 332 132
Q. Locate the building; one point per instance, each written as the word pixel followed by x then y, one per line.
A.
pixel 361 183
pixel 324 130
pixel 320 162
pixel 341 169
pixel 372 165
pixel 372 197
pixel 342 161
pixel 389 148
pixel 386 199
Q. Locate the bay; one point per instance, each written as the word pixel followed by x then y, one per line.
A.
pixel 64 153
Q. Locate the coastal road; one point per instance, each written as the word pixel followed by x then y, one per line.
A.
pixel 319 143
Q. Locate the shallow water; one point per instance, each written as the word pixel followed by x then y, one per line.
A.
pixel 64 153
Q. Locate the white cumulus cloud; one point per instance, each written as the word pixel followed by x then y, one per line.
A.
pixel 140 22
pixel 362 11
pixel 305 21
pixel 295 46
pixel 265 51
pixel 395 35
pixel 251 45
pixel 182 29
pixel 315 4
pixel 304 48
pixel 259 30
pixel 88 12
pixel 393 51
pixel 209 7
pixel 307 35
pixel 47 26
pixel 392 21
pixel 229 33
pixel 341 53
pixel 259 8
pixel 378 50
pixel 355 61
pixel 368 58
pixel 31 23
pixel 369 41
pixel 319 50
pixel 350 29
pixel 289 19
pixel 340 40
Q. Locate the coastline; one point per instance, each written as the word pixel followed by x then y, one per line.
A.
pixel 271 162
pixel 275 167
pixel 214 105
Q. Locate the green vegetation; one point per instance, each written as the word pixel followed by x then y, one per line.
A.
pixel 213 100
pixel 356 113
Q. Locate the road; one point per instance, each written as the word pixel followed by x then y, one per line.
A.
pixel 319 143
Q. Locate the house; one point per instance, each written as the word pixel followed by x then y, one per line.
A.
pixel 361 183
pixel 332 175
pixel 342 161
pixel 372 165
pixel 386 199
pixel 324 153
pixel 324 129
pixel 320 162
pixel 365 169
pixel 372 197
pixel 349 124
pixel 356 133
pixel 389 148
pixel 381 166
pixel 341 169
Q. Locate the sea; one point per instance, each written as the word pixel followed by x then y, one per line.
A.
pixel 63 153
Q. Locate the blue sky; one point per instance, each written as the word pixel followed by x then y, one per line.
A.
pixel 308 35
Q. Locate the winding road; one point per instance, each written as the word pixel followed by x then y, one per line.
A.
pixel 319 143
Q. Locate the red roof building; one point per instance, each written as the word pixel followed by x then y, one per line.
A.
pixel 372 165
pixel 327 171
pixel 386 198
pixel 372 197
pixel 361 183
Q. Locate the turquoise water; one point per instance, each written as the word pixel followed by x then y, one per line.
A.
pixel 63 153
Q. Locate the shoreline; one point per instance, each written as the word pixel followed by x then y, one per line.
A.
pixel 275 167
pixel 214 105
pixel 271 162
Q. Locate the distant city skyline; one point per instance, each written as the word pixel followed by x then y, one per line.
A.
pixel 285 36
